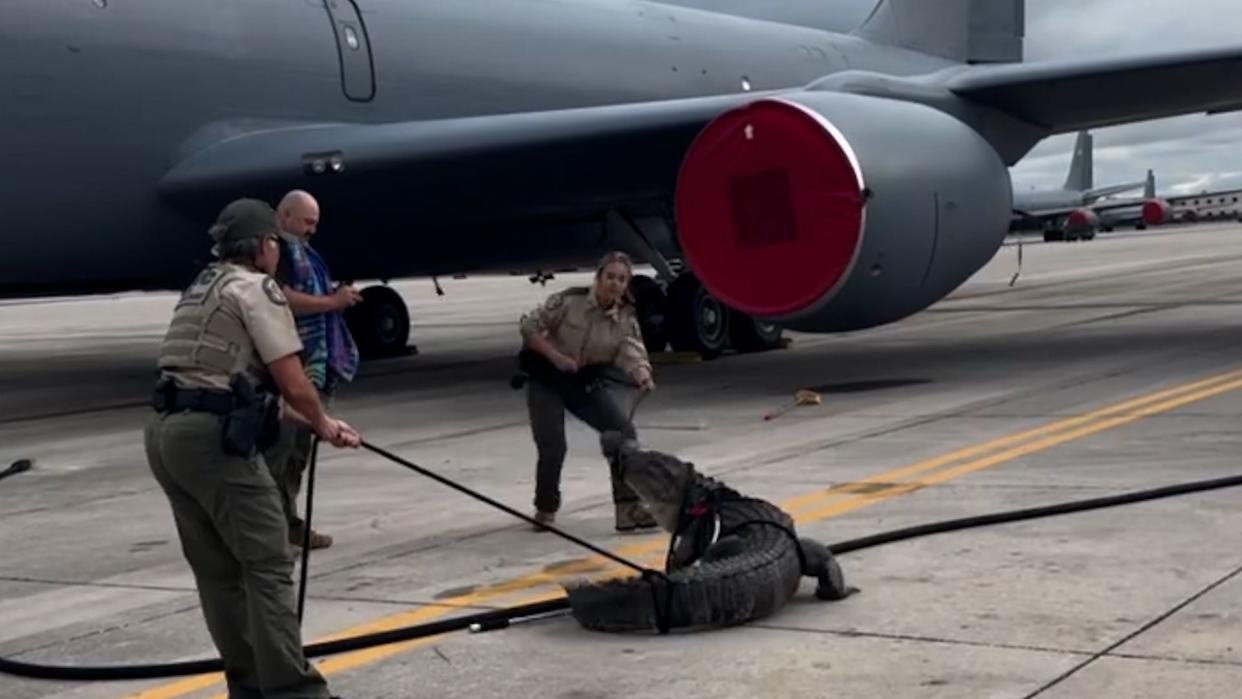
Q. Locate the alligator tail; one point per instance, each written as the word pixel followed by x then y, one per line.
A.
pixel 821 564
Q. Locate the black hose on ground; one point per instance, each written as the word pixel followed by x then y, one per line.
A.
pixel 1064 508
pixel 501 618
pixel 19 466
pixel 314 650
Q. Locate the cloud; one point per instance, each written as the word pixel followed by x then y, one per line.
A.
pixel 1189 153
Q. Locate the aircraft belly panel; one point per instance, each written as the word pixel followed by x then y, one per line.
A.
pixel 357 68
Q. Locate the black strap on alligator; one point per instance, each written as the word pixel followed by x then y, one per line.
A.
pixel 704 504
pixel 502 618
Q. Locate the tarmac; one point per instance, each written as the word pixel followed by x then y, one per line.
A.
pixel 1107 367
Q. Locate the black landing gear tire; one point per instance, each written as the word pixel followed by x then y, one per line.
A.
pixel 696 321
pixel 380 323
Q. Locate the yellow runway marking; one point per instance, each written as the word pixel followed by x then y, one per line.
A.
pixel 889 477
pixel 805 508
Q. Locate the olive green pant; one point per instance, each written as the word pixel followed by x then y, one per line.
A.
pixel 600 409
pixel 233 535
pixel 288 459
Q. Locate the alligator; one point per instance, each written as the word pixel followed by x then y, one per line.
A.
pixel 732 559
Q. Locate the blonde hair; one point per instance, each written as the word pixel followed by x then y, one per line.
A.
pixel 614 257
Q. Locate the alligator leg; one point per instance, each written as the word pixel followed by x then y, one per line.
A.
pixel 821 564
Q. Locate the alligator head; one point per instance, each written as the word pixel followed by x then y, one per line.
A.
pixel 660 480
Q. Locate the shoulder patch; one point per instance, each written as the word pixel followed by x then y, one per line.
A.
pixel 274 294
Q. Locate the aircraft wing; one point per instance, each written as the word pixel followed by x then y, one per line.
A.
pixel 1068 96
pixel 537 165
pixel 1109 191
pixel 1097 207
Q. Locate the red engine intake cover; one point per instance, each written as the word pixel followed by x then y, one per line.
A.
pixel 1156 213
pixel 1081 220
pixel 770 208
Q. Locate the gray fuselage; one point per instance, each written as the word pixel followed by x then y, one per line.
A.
pixel 102 101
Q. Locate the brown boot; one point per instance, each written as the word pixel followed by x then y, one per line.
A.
pixel 543 518
pixel 632 516
pixel 317 540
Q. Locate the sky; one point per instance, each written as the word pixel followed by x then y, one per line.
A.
pixel 1190 153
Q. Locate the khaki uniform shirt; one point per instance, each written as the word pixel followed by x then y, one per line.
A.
pixel 575 324
pixel 230 320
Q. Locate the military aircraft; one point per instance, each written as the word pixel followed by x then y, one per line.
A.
pixel 775 174
pixel 1078 208
pixel 1151 210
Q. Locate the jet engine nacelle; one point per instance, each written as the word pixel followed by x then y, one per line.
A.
pixel 1082 221
pixel 825 211
pixel 1156 212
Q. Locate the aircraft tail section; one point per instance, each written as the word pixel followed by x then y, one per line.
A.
pixel 968 31
pixel 1081 176
pixel 1149 189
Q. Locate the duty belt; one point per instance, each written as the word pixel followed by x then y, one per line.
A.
pixel 169 398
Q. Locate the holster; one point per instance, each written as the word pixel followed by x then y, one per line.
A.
pixel 532 366
pixel 573 388
pixel 253 424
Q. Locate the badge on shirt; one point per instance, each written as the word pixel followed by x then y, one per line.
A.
pixel 274 294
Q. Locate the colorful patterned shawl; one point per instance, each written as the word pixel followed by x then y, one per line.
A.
pixel 328 350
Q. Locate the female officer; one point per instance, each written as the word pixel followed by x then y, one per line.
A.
pixel 570 340
pixel 232 329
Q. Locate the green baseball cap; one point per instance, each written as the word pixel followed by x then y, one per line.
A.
pixel 244 218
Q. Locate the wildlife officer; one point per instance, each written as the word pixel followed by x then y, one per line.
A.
pixel 570 341
pixel 230 354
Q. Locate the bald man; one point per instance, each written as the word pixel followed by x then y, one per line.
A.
pixel 329 354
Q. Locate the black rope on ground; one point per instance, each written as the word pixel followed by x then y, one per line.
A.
pixel 501 618
pixel 306 525
pixel 15 468
pixel 505 508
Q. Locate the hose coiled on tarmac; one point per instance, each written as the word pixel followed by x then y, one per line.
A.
pixel 501 618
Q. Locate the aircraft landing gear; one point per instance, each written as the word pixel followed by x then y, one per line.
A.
pixel 683 314
pixel 695 321
pixel 380 323
pixel 1063 235
pixel 652 308
pixel 747 334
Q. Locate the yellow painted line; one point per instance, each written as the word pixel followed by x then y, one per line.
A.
pixel 1108 424
pixel 180 688
pixel 1020 451
pixel 366 656
pixel 675 358
pixel 410 618
pixel 930 464
pixel 1147 405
